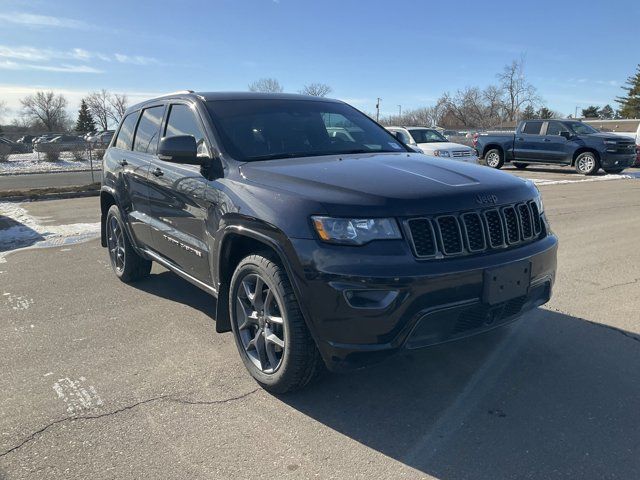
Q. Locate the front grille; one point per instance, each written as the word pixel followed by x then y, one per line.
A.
pixel 424 241
pixel 625 147
pixel 450 234
pixel 474 232
pixel 461 153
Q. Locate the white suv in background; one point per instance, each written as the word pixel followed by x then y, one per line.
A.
pixel 432 142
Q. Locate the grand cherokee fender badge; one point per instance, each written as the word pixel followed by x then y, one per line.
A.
pixel 486 199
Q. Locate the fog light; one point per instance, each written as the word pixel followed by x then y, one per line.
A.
pixel 376 299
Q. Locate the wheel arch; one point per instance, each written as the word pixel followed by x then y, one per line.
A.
pixel 237 242
pixel 491 146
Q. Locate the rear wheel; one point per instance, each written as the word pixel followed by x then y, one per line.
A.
pixel 494 158
pixel 520 166
pixel 587 163
pixel 126 263
pixel 270 332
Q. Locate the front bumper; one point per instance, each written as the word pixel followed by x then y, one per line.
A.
pixel 366 303
pixel 611 160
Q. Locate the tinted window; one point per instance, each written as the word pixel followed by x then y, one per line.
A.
pixel 532 128
pixel 555 128
pixel 125 134
pixel 183 121
pixel 268 129
pixel 148 131
pixel 581 128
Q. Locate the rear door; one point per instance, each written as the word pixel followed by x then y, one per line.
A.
pixel 132 179
pixel 177 199
pixel 556 147
pixel 527 144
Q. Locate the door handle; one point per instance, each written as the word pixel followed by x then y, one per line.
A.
pixel 158 172
pixel 123 162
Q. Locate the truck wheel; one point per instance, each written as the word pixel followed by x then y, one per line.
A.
pixel 494 158
pixel 126 263
pixel 613 170
pixel 271 335
pixel 587 164
pixel 520 166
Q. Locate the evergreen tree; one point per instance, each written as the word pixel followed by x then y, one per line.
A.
pixel 630 103
pixel 591 112
pixel 85 123
pixel 544 113
pixel 606 112
pixel 528 113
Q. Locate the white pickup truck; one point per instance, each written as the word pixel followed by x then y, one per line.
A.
pixel 432 142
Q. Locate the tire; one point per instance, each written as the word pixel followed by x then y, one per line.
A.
pixel 520 166
pixel 494 158
pixel 587 163
pixel 613 170
pixel 125 261
pixel 270 332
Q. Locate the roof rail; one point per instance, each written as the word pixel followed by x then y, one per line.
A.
pixel 177 92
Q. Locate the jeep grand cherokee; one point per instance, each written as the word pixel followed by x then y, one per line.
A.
pixel 321 249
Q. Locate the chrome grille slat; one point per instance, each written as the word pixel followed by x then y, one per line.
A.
pixel 474 232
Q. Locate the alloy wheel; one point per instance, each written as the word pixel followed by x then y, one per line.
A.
pixel 115 243
pixel 493 159
pixel 260 323
pixel 586 163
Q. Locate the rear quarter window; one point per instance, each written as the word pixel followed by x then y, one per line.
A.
pixel 532 128
pixel 125 134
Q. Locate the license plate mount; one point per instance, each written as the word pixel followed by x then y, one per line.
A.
pixel 505 283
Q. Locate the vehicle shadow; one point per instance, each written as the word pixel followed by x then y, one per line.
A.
pixel 14 234
pixel 552 396
pixel 167 284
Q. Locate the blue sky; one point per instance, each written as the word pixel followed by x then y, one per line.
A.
pixel 406 52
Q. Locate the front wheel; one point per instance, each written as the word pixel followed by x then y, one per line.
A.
pixel 270 332
pixel 494 158
pixel 587 163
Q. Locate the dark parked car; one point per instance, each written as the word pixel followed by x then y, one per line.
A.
pixel 559 142
pixel 26 139
pixel 61 143
pixel 320 249
pixel 15 147
pixel 102 139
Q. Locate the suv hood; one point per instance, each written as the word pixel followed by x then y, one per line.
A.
pixel 388 184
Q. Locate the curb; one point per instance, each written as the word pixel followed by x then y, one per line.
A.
pixel 51 193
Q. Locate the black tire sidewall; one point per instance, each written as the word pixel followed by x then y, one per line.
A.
pixel 596 167
pixel 135 267
pixel 248 266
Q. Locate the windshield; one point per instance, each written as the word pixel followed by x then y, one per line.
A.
pixel 422 135
pixel 252 130
pixel 581 128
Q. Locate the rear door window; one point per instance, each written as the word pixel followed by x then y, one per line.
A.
pixel 148 132
pixel 125 134
pixel 532 128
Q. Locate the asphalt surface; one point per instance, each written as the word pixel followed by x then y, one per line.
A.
pixel 52 179
pixel 106 380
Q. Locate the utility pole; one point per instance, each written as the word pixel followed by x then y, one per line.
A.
pixel 378 109
pixel 576 114
pixel 400 110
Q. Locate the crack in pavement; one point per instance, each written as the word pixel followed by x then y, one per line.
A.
pixel 632 282
pixel 166 398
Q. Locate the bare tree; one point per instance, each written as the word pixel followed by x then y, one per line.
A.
pixel 517 90
pixel 119 103
pixel 99 104
pixel 316 89
pixel 3 109
pixel 45 109
pixel 266 85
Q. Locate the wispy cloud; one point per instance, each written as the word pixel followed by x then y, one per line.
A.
pixel 64 68
pixel 33 20
pixel 34 54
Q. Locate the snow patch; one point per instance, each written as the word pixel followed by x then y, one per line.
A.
pixel 604 178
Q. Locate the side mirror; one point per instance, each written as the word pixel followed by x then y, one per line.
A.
pixel 179 149
pixel 565 134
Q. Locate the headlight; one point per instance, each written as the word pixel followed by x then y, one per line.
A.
pixel 441 153
pixel 538 200
pixel 355 231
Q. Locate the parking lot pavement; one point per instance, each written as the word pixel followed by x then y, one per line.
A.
pixel 550 175
pixel 106 380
